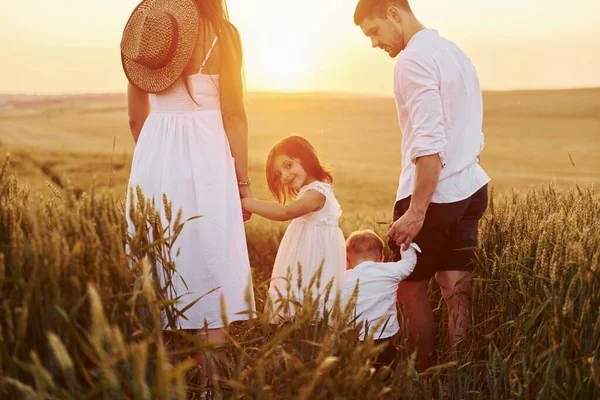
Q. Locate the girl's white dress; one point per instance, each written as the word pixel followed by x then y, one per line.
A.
pixel 310 240
pixel 183 151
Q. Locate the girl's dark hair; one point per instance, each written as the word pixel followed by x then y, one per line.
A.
pixel 213 13
pixel 300 149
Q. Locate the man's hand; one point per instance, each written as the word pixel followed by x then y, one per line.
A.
pixel 245 192
pixel 427 175
pixel 405 229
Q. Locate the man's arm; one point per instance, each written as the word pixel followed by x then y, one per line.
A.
pixel 404 230
pixel 418 84
pixel 427 175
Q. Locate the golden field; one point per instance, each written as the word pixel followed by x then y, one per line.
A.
pixel 88 324
pixel 531 137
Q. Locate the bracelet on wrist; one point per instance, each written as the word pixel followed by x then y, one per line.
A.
pixel 245 183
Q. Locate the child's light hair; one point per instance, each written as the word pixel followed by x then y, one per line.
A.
pixel 364 243
pixel 300 149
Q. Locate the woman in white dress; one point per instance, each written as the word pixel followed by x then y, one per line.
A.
pixel 185 98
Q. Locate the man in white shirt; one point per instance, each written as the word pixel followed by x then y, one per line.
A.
pixel 442 193
pixel 377 286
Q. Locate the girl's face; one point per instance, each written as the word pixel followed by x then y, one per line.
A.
pixel 290 172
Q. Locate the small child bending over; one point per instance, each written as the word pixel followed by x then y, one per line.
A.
pixel 378 283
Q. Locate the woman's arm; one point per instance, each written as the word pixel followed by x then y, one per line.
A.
pixel 138 106
pixel 233 109
pixel 311 201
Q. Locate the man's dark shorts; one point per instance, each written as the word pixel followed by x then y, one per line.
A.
pixel 448 239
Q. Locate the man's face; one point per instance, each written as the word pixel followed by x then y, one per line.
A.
pixel 384 33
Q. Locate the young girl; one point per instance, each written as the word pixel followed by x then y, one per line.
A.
pixel 295 173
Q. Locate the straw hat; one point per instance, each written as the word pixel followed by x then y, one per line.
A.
pixel 158 42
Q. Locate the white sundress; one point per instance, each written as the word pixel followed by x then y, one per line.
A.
pixel 183 152
pixel 309 240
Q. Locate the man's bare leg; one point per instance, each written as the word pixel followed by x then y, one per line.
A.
pixel 414 298
pixel 455 287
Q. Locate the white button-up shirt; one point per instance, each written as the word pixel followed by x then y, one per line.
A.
pixel 377 287
pixel 440 110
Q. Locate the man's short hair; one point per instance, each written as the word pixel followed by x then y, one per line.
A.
pixel 376 8
pixel 365 242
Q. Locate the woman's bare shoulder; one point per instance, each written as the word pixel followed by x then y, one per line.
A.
pixel 206 36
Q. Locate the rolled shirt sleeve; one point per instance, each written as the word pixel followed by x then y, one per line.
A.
pixel 418 84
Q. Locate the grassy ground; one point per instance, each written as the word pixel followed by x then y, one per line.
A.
pixel 535 304
pixel 81 320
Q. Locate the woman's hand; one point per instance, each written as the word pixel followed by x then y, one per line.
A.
pixel 245 193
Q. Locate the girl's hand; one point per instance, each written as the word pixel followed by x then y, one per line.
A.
pixel 245 193
pixel 246 207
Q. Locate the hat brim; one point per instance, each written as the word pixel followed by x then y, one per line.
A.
pixel 150 80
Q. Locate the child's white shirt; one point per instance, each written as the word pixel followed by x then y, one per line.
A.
pixel 378 284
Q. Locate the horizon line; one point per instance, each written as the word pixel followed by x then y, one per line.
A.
pixel 295 93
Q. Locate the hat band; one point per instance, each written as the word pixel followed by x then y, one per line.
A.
pixel 169 56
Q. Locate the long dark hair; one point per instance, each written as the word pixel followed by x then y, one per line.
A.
pixel 299 148
pixel 213 13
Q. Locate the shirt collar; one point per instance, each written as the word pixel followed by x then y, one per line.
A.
pixel 363 265
pixel 422 32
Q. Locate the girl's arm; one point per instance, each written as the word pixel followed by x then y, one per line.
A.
pixel 138 106
pixel 311 201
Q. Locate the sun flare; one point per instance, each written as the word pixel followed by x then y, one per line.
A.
pixel 283 67
pixel 285 63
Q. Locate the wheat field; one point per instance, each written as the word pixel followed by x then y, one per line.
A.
pixel 531 137
pixel 78 322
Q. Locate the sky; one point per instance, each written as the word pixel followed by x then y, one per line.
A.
pixel 72 46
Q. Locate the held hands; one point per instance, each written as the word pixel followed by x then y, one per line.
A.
pixel 245 193
pixel 405 229
pixel 246 204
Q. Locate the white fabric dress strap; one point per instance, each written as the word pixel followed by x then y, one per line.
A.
pixel 208 54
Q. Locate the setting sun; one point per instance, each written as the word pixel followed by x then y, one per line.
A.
pixel 284 63
pixel 313 46
pixel 283 68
